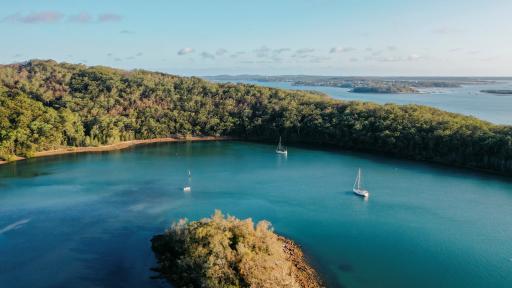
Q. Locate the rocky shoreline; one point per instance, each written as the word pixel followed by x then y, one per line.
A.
pixel 305 275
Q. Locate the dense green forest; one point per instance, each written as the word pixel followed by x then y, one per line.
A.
pixel 46 105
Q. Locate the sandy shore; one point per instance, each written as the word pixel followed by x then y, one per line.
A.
pixel 118 146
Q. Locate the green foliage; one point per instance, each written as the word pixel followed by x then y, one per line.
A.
pixel 26 125
pixel 45 104
pixel 220 252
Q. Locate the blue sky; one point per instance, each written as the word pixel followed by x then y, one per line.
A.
pixel 328 37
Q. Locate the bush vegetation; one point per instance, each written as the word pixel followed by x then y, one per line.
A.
pixel 44 105
pixel 220 252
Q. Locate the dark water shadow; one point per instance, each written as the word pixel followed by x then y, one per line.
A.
pixel 14 171
pixel 345 267
pixel 327 276
pixel 105 263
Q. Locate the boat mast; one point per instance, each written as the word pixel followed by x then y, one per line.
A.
pixel 359 179
pixel 356 183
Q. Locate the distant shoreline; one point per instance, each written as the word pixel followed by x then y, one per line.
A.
pixel 118 146
pixel 500 92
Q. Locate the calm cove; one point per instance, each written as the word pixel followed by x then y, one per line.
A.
pixel 86 220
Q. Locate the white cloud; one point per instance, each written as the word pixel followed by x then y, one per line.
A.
pixel 56 17
pixel 262 52
pixel 83 17
pixel 281 50
pixel 109 17
pixel 237 54
pixel 414 57
pixel 338 49
pixel 411 57
pixel 305 51
pixel 185 51
pixel 36 17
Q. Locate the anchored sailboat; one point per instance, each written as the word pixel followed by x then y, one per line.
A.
pixel 187 187
pixel 280 148
pixel 357 186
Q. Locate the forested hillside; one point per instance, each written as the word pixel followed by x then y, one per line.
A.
pixel 46 105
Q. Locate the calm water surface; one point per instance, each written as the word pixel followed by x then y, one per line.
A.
pixel 86 220
pixel 466 100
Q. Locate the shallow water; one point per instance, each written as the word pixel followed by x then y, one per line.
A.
pixel 467 100
pixel 86 220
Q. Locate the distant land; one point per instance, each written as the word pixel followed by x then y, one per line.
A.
pixel 500 92
pixel 384 89
pixel 366 84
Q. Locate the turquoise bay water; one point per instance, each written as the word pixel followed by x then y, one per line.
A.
pixel 86 220
pixel 467 100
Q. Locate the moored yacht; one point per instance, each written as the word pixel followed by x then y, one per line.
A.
pixel 280 148
pixel 357 186
pixel 187 187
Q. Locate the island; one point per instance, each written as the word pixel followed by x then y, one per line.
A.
pixel 223 251
pixel 368 84
pixel 384 89
pixel 499 92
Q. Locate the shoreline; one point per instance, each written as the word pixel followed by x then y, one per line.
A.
pixel 304 273
pixel 118 146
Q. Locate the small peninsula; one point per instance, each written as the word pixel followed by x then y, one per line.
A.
pixel 499 92
pixel 223 251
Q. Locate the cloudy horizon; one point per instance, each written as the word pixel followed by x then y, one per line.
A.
pixel 321 37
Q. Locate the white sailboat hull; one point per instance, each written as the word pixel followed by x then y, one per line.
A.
pixel 187 189
pixel 280 149
pixel 361 192
pixel 357 186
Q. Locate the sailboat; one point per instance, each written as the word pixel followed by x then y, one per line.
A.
pixel 357 186
pixel 187 187
pixel 280 148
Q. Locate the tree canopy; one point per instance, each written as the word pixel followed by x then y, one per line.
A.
pixel 221 252
pixel 45 105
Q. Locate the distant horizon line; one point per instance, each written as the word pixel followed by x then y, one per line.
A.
pixel 233 76
pixel 349 76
